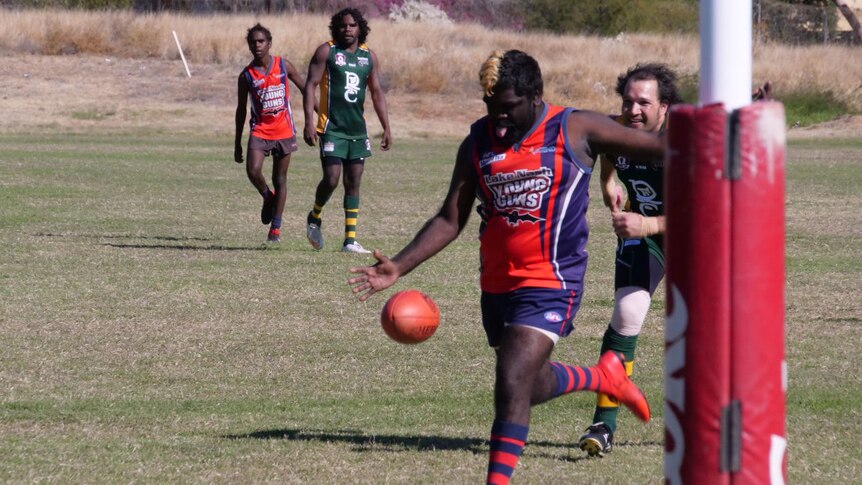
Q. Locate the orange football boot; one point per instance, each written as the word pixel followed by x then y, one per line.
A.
pixel 620 386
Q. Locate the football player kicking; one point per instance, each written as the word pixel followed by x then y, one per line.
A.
pixel 529 163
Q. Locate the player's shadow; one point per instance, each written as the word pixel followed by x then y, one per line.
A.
pixel 364 442
pixel 396 443
pixel 120 236
pixel 183 243
pixel 186 247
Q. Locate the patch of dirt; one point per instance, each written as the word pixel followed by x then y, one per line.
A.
pixel 82 93
pixel 846 126
pixel 72 93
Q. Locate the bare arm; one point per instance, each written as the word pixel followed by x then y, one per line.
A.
pixel 436 234
pixel 309 95
pixel 295 77
pixel 591 132
pixel 379 101
pixel 241 109
pixel 611 192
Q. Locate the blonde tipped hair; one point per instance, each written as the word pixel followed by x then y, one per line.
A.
pixel 489 74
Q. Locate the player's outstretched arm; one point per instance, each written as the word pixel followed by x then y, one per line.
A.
pixel 603 135
pixel 309 95
pixel 435 235
pixel 378 98
pixel 241 107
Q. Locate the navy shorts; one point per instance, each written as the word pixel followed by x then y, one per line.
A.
pixel 552 311
pixel 640 263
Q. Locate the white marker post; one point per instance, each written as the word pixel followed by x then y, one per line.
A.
pixel 182 56
pixel 725 53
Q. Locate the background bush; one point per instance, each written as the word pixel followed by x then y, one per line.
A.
pixel 787 21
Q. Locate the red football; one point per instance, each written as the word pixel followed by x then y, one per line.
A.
pixel 410 317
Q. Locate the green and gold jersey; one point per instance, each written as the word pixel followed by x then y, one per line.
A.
pixel 342 92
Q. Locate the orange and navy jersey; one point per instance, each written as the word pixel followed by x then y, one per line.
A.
pixel 533 205
pixel 271 117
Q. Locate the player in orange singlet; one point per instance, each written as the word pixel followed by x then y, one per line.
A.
pixel 264 80
pixel 529 163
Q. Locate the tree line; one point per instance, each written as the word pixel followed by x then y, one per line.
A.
pixel 790 21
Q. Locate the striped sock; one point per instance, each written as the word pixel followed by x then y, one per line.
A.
pixel 507 442
pixel 607 408
pixel 314 215
pixel 351 213
pixel 572 378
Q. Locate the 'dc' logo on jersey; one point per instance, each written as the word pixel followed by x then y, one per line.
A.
pixel 646 196
pixel 351 86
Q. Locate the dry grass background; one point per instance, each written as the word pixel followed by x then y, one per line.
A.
pixel 122 70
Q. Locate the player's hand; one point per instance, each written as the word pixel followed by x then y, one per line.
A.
pixel 375 278
pixel 614 200
pixel 386 142
pixel 629 225
pixel 237 154
pixel 310 135
pixel 763 93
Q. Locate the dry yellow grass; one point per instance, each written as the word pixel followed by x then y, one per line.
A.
pixel 438 62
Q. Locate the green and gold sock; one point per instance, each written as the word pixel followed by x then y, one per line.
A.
pixel 607 407
pixel 351 214
pixel 314 215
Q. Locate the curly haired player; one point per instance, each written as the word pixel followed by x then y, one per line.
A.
pixel 342 68
pixel 647 92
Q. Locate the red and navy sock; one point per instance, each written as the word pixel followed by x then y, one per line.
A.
pixel 507 442
pixel 276 222
pixel 571 378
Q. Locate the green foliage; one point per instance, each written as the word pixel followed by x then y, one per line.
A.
pixel 795 22
pixel 805 108
pixel 802 108
pixel 610 17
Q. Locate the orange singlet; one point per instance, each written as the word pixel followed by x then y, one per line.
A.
pixel 271 117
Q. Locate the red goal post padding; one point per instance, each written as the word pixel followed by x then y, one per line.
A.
pixel 725 378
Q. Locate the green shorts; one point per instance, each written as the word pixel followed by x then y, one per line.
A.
pixel 344 148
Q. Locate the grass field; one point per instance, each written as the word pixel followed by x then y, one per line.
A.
pixel 148 335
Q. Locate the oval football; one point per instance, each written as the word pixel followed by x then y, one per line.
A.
pixel 410 317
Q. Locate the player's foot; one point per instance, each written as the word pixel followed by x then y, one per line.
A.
pixel 621 386
pixel 268 208
pixel 313 233
pixel 598 440
pixel 274 236
pixel 354 247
